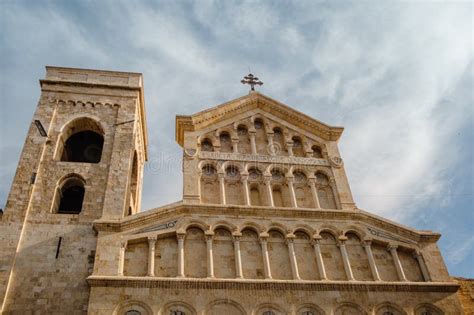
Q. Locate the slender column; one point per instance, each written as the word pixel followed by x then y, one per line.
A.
pixel 314 192
pixel 210 259
pixel 253 145
pixel 268 184
pixel 245 184
pixel 421 262
pixel 181 254
pixel 121 260
pixel 289 147
pixel 222 187
pixel 290 181
pixel 238 257
pixel 151 256
pixel 294 263
pixel 332 183
pixel 266 260
pixel 319 258
pixel 373 267
pixel 393 251
pixel 235 145
pixel 271 146
pixel 345 259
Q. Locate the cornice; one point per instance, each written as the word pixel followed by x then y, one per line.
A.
pixel 279 285
pixel 177 209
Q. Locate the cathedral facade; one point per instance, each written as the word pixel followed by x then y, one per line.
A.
pixel 267 224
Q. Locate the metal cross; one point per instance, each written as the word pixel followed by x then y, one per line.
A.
pixel 252 81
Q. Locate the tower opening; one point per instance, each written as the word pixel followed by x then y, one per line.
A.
pixel 84 146
pixel 71 195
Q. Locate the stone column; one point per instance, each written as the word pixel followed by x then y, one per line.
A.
pixel 345 259
pixel 244 178
pixel 289 182
pixel 271 146
pixel 314 192
pixel 238 257
pixel 268 184
pixel 253 145
pixel 294 263
pixel 289 147
pixel 210 258
pixel 332 184
pixel 121 259
pixel 222 187
pixel 181 237
pixel 319 258
pixel 393 251
pixel 151 256
pixel 235 145
pixel 373 267
pixel 421 262
pixel 266 260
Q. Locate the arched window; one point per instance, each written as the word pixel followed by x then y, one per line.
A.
pixel 279 147
pixel 210 191
pixel 298 149
pixel 69 196
pixel 177 313
pixel 206 145
pixel 268 313
pixel 307 313
pixel 226 143
pixel 325 193
pixel 83 141
pixel 244 140
pixel 317 152
pixel 133 312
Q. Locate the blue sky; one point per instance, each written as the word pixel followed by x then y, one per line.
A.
pixel 397 76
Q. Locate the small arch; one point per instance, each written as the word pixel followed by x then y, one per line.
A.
pixel 81 140
pixel 355 230
pixel 225 306
pixel 349 308
pixel 69 195
pixel 331 229
pixel 196 224
pixel 223 225
pixel 270 309
pixel 389 308
pixel 317 152
pixel 252 226
pixel 428 309
pixel 206 145
pixel 275 226
pixel 225 141
pixel 177 308
pixel 133 308
pixel 305 229
pixel 309 309
pixel 298 147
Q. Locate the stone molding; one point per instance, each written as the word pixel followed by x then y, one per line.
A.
pixel 290 160
pixel 283 285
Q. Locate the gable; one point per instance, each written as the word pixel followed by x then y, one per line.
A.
pixel 252 102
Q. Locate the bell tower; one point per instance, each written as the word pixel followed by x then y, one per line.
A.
pixel 82 161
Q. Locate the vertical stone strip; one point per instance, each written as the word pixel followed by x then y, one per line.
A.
pixel 421 262
pixel 210 258
pixel 314 192
pixel 294 263
pixel 121 259
pixel 319 258
pixel 151 256
pixel 373 267
pixel 181 237
pixel 345 258
pixel 253 145
pixel 291 188
pixel 271 146
pixel 268 184
pixel 245 184
pixel 398 265
pixel 235 145
pixel 289 148
pixel 238 257
pixel 222 187
pixel 266 260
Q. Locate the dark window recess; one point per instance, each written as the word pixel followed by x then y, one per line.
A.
pixel 33 178
pixel 71 199
pixel 84 146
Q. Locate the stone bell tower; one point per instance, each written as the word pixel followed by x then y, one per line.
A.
pixel 82 161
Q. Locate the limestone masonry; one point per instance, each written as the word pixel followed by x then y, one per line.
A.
pixel 267 224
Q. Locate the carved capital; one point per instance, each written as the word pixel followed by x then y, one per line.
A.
pixel 152 239
pixel 391 247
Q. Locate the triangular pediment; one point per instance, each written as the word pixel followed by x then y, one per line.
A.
pixel 251 102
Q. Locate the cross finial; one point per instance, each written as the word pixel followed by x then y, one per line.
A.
pixel 252 81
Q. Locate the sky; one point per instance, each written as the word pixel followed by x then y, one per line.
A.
pixel 397 75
